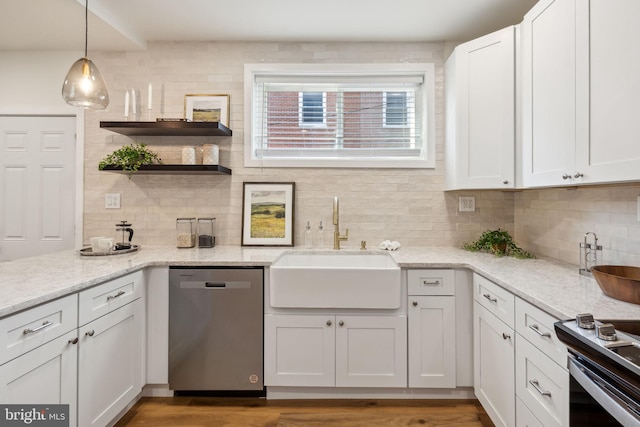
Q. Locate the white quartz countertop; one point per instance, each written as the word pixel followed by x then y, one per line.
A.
pixel 554 287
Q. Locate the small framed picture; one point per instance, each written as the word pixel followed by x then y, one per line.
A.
pixel 267 213
pixel 207 108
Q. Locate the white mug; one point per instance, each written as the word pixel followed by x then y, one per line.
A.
pixel 105 244
pixel 94 244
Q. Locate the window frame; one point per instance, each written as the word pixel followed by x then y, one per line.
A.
pixel 427 149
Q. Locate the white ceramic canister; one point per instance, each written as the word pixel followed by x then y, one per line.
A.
pixel 189 155
pixel 210 154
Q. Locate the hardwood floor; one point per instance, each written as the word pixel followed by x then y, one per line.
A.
pixel 253 412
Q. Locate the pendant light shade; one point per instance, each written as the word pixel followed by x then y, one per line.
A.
pixel 84 86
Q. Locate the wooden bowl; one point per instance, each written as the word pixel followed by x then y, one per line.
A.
pixel 619 281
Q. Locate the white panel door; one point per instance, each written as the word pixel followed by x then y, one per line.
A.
pixel 37 197
pixel 371 351
pixel 549 94
pixel 609 90
pixel 432 342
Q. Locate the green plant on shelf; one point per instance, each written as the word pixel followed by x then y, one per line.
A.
pixel 130 158
pixel 498 242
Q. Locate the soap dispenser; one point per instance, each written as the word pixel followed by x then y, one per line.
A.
pixel 320 242
pixel 307 236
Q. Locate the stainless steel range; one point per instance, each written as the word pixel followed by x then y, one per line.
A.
pixel 604 363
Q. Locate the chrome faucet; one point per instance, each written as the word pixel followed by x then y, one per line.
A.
pixel 337 238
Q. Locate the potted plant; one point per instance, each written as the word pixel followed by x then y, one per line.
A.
pixel 130 158
pixel 498 242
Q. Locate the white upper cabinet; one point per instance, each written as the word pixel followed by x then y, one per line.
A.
pixel 608 71
pixel 480 111
pixel 580 91
pixel 549 93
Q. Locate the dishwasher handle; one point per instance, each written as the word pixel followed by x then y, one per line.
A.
pixel 204 284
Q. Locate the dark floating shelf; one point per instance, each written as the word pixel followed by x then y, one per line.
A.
pixel 174 169
pixel 167 128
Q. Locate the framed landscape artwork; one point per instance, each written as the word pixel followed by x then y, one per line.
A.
pixel 207 108
pixel 267 213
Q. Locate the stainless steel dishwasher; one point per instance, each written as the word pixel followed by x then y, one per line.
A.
pixel 216 330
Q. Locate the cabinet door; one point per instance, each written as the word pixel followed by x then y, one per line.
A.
pixel 111 364
pixel 494 373
pixel 45 375
pixel 549 93
pixel 481 112
pixel 609 89
pixel 299 350
pixel 371 351
pixel 432 342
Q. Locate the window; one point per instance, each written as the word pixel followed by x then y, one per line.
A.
pixel 397 109
pixel 348 115
pixel 312 108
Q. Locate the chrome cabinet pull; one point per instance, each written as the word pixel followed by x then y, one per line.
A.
pixel 341 323
pixel 487 296
pixel 505 181
pixel 566 176
pixel 535 384
pixel 428 283
pixel 329 323
pixel 415 303
pixel 536 329
pixel 44 325
pixel 578 175
pixel 119 294
pixel 90 333
pixel 506 336
pixel 74 341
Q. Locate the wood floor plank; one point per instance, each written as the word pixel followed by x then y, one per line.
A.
pixel 252 412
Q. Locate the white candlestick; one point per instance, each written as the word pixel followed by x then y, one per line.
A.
pixel 149 103
pixel 126 104
pixel 133 101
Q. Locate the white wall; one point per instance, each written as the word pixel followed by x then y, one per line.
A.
pixel 31 81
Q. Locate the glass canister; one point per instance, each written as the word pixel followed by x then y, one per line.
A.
pixel 206 232
pixel 185 232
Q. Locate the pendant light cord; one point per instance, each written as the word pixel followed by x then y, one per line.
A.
pixel 86 26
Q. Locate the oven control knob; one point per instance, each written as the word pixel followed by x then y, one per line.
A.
pixel 585 321
pixel 607 332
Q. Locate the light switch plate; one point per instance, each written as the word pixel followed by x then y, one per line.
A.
pixel 466 204
pixel 112 200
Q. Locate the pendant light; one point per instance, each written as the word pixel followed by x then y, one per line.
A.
pixel 84 86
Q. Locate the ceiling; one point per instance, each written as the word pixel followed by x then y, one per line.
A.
pixel 130 24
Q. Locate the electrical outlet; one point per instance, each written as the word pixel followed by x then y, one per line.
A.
pixel 112 200
pixel 466 204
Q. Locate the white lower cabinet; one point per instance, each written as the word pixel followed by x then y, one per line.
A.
pixel 45 375
pixel 335 350
pixel 494 351
pixel 110 364
pixel 542 379
pixel 371 351
pixel 494 366
pixel 524 417
pixel 432 338
pixel 432 328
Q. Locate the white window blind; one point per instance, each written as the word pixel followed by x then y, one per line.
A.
pixel 318 118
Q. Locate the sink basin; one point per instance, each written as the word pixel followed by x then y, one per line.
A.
pixel 335 280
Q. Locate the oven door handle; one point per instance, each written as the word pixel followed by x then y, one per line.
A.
pixel 600 390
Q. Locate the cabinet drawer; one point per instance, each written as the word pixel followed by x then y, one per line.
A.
pixel 494 298
pixel 104 298
pixel 524 417
pixel 29 329
pixel 537 327
pixel 542 385
pixel 431 282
